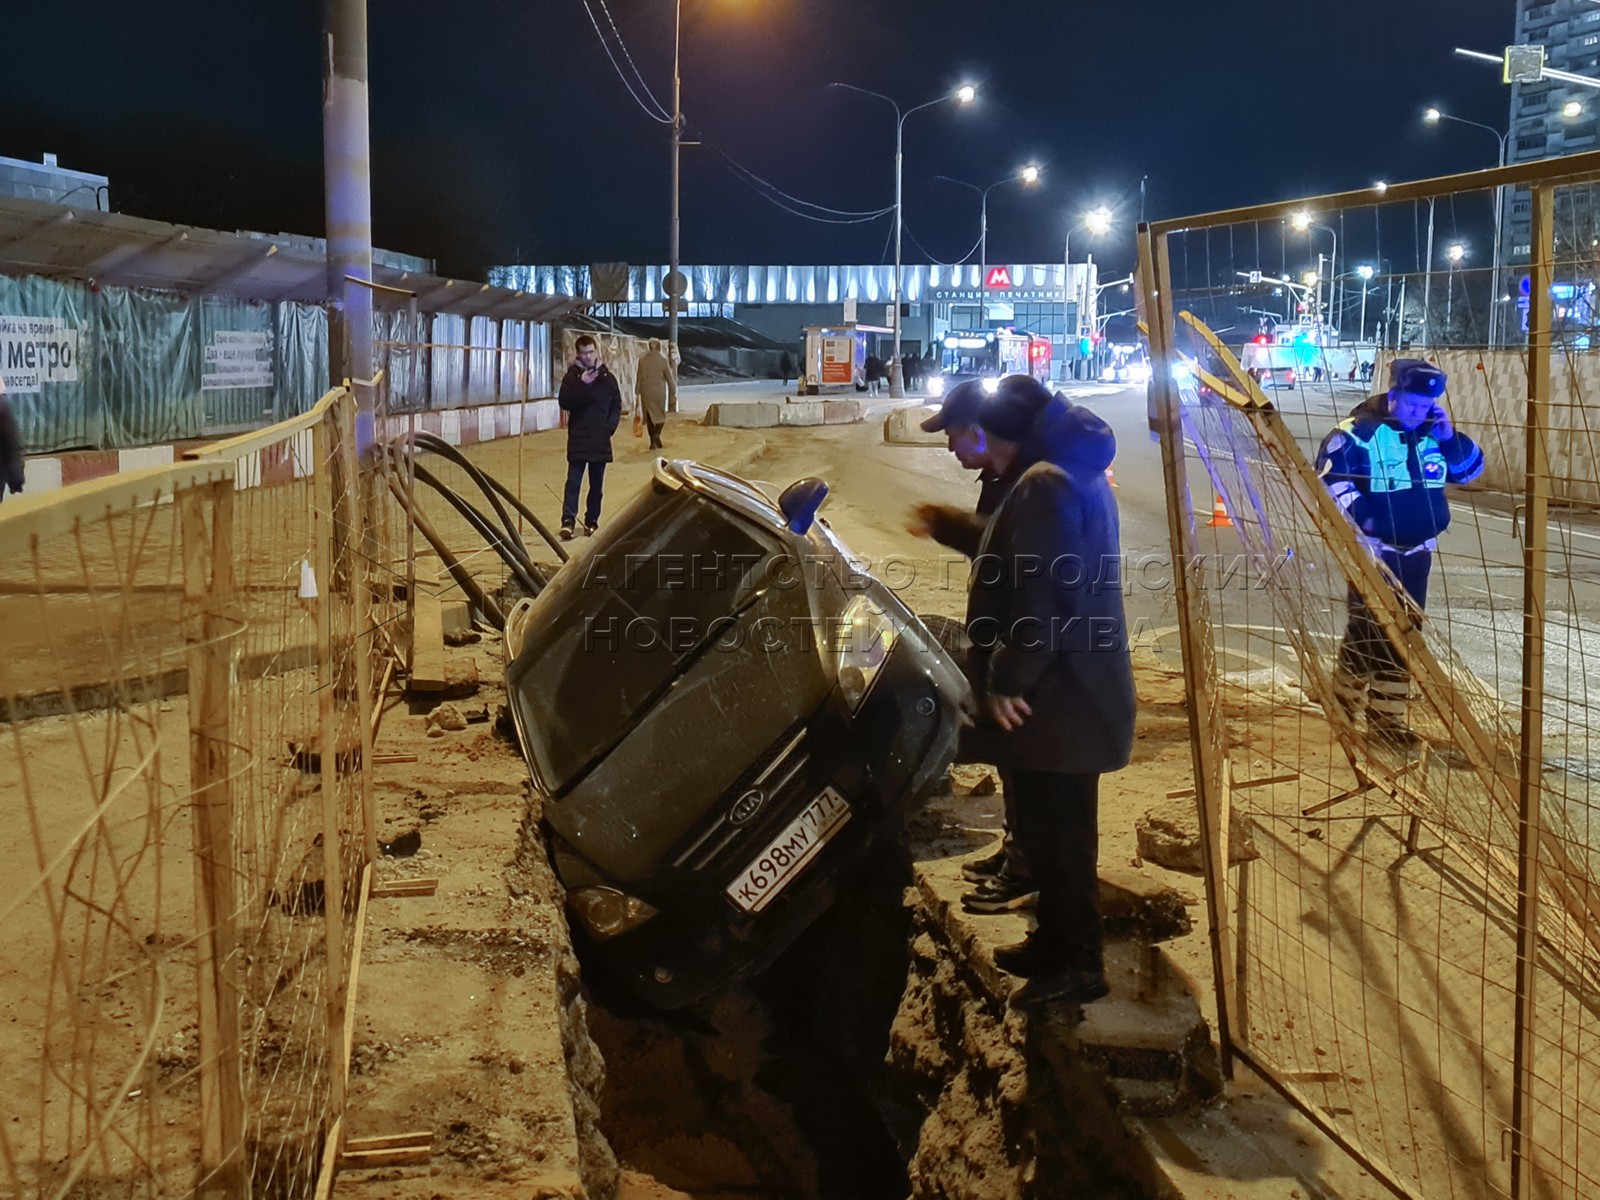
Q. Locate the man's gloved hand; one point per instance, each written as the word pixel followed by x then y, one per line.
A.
pixel 924 519
pixel 1443 428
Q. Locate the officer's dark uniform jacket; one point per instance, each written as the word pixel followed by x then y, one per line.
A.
pixel 1391 482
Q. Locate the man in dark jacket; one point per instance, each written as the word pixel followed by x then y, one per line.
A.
pixel 10 447
pixel 593 403
pixel 1387 464
pixel 1045 615
pixel 874 372
pixel 1002 878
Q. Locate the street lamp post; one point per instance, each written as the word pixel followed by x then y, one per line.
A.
pixel 1303 222
pixel 1432 116
pixel 1027 175
pixel 1364 273
pixel 965 94
pixel 1455 254
pixel 673 354
pixel 1098 222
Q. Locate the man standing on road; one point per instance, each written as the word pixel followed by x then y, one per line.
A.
pixel 10 447
pixel 1387 464
pixel 592 402
pixel 1004 882
pixel 654 385
pixel 1045 617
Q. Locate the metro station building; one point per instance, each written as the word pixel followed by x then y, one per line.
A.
pixel 780 301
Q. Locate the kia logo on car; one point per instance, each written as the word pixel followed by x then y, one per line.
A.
pixel 746 806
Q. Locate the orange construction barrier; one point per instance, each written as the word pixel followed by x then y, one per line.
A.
pixel 1219 516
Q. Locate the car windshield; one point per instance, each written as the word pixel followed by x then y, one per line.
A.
pixel 616 629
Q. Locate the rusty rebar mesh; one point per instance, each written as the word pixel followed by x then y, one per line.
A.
pixel 110 910
pixel 1374 914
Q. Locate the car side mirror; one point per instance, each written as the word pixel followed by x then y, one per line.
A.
pixel 800 502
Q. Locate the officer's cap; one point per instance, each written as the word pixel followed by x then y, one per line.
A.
pixel 1417 377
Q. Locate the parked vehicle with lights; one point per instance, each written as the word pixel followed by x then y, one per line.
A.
pixel 725 717
pixel 990 354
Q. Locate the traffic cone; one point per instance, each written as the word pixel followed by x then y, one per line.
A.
pixel 1219 516
pixel 1111 477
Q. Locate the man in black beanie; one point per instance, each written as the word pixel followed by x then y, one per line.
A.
pixel 1045 616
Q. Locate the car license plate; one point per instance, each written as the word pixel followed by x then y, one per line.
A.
pixel 789 852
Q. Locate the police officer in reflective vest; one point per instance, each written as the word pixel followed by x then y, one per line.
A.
pixel 1387 464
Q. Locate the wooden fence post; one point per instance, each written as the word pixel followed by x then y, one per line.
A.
pixel 207 601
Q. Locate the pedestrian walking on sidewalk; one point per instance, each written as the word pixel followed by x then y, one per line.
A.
pixel 654 386
pixel 10 447
pixel 1387 464
pixel 592 402
pixel 1003 882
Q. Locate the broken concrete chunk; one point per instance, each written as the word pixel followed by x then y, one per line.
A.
pixel 984 787
pixel 447 716
pixel 1133 904
pixel 1169 836
pixel 460 678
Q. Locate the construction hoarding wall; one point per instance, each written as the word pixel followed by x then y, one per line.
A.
pixel 110 368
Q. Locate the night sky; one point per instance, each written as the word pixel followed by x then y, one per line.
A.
pixel 501 133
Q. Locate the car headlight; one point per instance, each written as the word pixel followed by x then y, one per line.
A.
pixel 606 912
pixel 865 638
pixel 936 386
pixel 991 385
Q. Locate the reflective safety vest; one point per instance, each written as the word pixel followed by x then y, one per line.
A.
pixel 1390 482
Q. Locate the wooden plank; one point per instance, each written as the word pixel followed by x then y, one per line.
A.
pixel 391 888
pixel 379 760
pixel 1156 296
pixel 46 516
pixel 365 890
pixel 398 1156
pixel 330 1159
pixel 247 443
pixel 207 597
pixel 334 965
pixel 355 506
pixel 1530 781
pixel 389 1141
pixel 427 643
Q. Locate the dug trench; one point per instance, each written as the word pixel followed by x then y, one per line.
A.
pixel 878 1057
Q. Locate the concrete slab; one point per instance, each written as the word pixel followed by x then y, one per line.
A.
pixel 841 412
pixel 755 414
pixel 801 412
pixel 903 427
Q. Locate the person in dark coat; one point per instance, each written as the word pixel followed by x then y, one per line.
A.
pixel 592 402
pixel 874 372
pixel 655 385
pixel 1003 882
pixel 786 367
pixel 10 447
pixel 1045 617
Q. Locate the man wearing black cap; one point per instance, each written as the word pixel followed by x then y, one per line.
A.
pixel 1051 666
pixel 1387 464
pixel 1003 881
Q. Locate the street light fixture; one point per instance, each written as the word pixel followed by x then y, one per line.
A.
pixel 963 95
pixel 1028 176
pixel 1570 111
pixel 1455 252
pixel 1097 221
pixel 1303 223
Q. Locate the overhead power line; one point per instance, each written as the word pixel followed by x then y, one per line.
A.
pixel 605 45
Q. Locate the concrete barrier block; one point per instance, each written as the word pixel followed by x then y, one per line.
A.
pixel 759 414
pixel 841 412
pixel 801 412
pixel 903 426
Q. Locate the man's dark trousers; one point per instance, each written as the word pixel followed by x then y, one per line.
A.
pixel 1058 827
pixel 569 502
pixel 655 432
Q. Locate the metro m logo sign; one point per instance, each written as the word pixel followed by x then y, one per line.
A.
pixel 999 277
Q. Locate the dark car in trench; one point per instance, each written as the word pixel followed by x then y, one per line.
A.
pixel 725 716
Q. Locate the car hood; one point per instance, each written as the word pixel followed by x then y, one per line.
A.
pixel 738 698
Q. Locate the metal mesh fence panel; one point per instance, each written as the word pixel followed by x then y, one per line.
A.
pixel 1401 784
